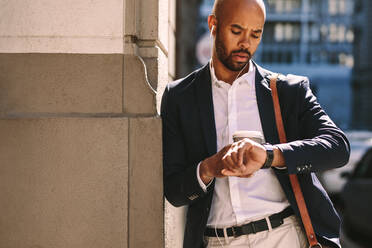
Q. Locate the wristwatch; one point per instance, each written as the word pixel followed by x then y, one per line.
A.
pixel 270 156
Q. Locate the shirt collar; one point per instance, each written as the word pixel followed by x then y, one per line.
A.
pixel 243 78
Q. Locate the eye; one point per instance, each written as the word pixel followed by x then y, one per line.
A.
pixel 255 36
pixel 235 32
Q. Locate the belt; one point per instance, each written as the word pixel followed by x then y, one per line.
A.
pixel 251 227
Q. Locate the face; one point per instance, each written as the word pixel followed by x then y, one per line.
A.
pixel 238 33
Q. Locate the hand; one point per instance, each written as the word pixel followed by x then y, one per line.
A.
pixel 244 158
pixel 211 167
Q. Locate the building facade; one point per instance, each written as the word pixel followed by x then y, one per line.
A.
pixel 362 72
pixel 313 38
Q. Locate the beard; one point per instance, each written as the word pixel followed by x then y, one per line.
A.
pixel 226 59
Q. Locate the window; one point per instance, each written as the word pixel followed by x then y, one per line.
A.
pixel 337 33
pixel 284 6
pixel 332 7
pixel 279 32
pixel 314 33
pixel 341 33
pixel 279 6
pixel 324 32
pixel 349 36
pixel 349 61
pixel 288 32
pixel 342 7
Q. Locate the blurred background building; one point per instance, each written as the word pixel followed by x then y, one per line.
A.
pixel 362 72
pixel 313 38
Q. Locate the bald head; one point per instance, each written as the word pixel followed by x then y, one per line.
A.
pixel 220 5
pixel 237 28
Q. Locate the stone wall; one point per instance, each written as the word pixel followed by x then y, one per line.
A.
pixel 80 146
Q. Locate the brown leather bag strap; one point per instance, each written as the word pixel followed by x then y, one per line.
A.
pixel 293 177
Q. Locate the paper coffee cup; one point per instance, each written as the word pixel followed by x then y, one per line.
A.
pixel 253 135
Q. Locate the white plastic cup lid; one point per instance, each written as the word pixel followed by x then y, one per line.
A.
pixel 248 134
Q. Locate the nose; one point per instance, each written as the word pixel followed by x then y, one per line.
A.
pixel 245 41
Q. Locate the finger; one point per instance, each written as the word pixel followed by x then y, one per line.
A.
pixel 247 176
pixel 227 172
pixel 228 162
pixel 224 151
pixel 241 154
pixel 247 156
pixel 226 148
pixel 236 165
pixel 234 157
pixel 240 174
pixel 245 159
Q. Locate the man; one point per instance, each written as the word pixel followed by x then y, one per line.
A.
pixel 223 182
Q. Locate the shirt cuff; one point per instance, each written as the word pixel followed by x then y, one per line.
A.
pixel 202 185
pixel 281 167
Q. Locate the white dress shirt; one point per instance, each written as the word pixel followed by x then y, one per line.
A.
pixel 237 200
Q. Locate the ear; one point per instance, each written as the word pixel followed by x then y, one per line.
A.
pixel 212 24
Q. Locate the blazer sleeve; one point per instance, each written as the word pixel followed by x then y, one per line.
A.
pixel 181 186
pixel 322 145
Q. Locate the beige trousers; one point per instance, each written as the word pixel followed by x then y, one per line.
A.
pixel 288 235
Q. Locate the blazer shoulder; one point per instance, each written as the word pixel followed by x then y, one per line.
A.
pixel 293 81
pixel 289 80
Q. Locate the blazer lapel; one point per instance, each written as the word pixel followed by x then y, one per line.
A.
pixel 206 110
pixel 265 105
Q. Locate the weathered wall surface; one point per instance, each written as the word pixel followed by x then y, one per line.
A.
pixel 63 182
pixel 80 137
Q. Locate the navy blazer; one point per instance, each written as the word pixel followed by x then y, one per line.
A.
pixel 189 136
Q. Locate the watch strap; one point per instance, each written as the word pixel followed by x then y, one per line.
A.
pixel 270 156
